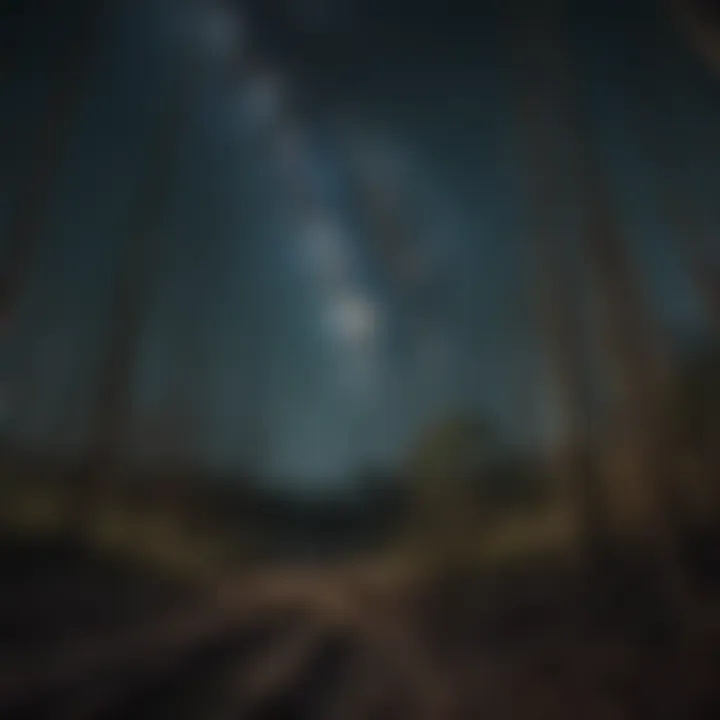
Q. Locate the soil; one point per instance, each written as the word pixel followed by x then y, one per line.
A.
pixel 537 643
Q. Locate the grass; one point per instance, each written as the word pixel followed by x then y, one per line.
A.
pixel 166 540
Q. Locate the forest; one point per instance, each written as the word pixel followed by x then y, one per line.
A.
pixel 518 522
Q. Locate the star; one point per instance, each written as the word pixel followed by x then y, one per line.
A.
pixel 355 320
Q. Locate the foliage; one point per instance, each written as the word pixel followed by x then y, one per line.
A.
pixel 699 398
pixel 450 454
pixel 443 469
pixel 512 483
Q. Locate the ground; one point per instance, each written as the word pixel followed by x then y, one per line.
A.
pixel 85 636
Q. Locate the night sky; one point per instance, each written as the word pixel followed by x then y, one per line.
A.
pixel 289 343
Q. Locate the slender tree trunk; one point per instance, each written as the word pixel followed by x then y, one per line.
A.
pixel 559 313
pixel 670 170
pixel 694 235
pixel 139 267
pixel 180 431
pixel 29 220
pixel 638 369
pixel 695 241
pixel 700 21
pixel 11 33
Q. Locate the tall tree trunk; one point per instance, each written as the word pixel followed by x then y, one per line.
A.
pixel 655 113
pixel 29 220
pixel 179 431
pixel 638 369
pixel 559 318
pixel 672 168
pixel 140 265
pixel 700 21
pixel 695 244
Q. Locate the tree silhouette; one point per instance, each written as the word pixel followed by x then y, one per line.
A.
pixel 66 97
pixel 443 468
pixel 29 218
pixel 699 21
pixel 140 265
pixel 645 462
pixel 657 116
pixel 558 318
pixel 698 413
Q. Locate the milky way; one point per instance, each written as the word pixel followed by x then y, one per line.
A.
pixel 347 258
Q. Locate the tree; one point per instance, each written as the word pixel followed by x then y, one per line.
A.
pixel 700 383
pixel 28 219
pixel 558 319
pixel 516 482
pixel 635 358
pixel 698 413
pixel 699 21
pixel 140 266
pixel 657 113
pixel 66 95
pixel 443 468
pixel 655 120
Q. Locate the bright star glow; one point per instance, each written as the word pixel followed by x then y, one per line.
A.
pixel 355 320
